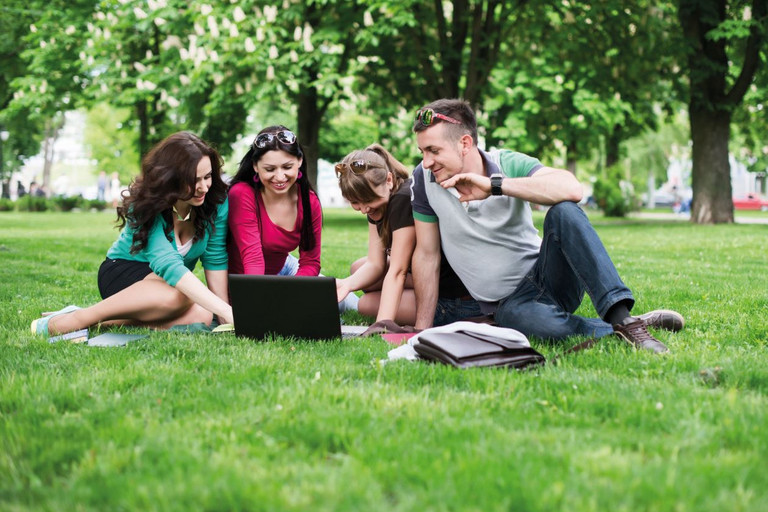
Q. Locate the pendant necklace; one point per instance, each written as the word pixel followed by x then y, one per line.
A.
pixel 179 217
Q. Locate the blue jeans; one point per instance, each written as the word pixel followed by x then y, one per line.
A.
pixel 453 310
pixel 572 260
pixel 291 266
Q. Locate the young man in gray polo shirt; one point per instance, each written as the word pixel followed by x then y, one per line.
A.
pixel 475 204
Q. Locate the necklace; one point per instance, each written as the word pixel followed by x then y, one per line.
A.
pixel 179 217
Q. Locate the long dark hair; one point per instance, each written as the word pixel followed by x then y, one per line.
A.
pixel 169 173
pixel 246 172
pixel 359 188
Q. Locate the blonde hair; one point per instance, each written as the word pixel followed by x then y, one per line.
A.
pixel 361 188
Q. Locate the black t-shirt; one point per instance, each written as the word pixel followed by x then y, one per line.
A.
pixel 451 286
pixel 399 212
pixel 400 215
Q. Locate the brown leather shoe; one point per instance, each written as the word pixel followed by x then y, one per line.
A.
pixel 664 319
pixel 634 331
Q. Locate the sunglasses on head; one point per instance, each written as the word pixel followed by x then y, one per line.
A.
pixel 428 117
pixel 356 166
pixel 264 139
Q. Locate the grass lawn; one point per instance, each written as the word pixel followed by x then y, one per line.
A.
pixel 738 214
pixel 213 422
pixel 759 214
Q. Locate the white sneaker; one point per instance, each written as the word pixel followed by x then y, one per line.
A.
pixel 349 303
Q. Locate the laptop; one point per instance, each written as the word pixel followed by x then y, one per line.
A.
pixel 289 306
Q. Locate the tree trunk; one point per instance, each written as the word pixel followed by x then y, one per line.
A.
pixel 712 201
pixel 712 102
pixel 571 158
pixel 613 147
pixel 51 134
pixel 309 121
pixel 48 155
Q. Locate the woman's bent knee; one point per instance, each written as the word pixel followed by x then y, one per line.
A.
pixel 176 303
pixel 369 304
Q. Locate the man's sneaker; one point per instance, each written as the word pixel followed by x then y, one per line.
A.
pixel 663 319
pixel 634 331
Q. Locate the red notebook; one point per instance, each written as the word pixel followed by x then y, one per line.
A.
pixel 398 338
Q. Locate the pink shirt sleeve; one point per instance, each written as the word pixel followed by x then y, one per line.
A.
pixel 246 254
pixel 309 261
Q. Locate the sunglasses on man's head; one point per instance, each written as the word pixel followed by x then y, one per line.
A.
pixel 264 139
pixel 428 117
pixel 356 166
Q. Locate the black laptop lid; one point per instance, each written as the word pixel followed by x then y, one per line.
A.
pixel 298 306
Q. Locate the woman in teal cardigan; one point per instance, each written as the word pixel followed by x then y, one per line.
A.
pixel 174 214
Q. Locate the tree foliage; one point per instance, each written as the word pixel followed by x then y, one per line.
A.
pixel 113 149
pixel 581 79
pixel 561 80
pixel 22 120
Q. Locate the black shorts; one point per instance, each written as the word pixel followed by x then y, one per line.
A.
pixel 117 275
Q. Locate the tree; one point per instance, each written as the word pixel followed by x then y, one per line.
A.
pixel 425 51
pixel 28 119
pixel 583 78
pixel 113 148
pixel 751 125
pixel 319 45
pixel 725 43
pixel 140 55
pixel 243 55
pixel 134 57
pixel 347 131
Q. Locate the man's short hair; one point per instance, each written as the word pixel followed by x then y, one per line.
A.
pixel 457 109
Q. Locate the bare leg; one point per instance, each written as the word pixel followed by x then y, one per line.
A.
pixel 195 314
pixel 151 302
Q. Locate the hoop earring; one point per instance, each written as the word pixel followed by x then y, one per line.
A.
pixel 300 175
pixel 255 178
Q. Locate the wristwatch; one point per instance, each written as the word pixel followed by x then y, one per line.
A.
pixel 496 180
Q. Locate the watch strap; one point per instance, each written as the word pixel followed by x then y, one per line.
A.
pixel 496 180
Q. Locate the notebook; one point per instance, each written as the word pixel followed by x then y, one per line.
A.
pixel 114 339
pixel 289 306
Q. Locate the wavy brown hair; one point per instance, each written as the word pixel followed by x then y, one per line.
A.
pixel 360 188
pixel 169 173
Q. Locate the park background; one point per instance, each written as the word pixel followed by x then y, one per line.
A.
pixel 617 92
pixel 612 90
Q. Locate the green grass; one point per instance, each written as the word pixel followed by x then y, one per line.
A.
pixel 212 422
pixel 738 214
pixel 751 213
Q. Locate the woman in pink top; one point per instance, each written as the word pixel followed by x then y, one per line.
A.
pixel 273 209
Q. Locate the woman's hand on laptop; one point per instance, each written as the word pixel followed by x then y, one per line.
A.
pixel 226 317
